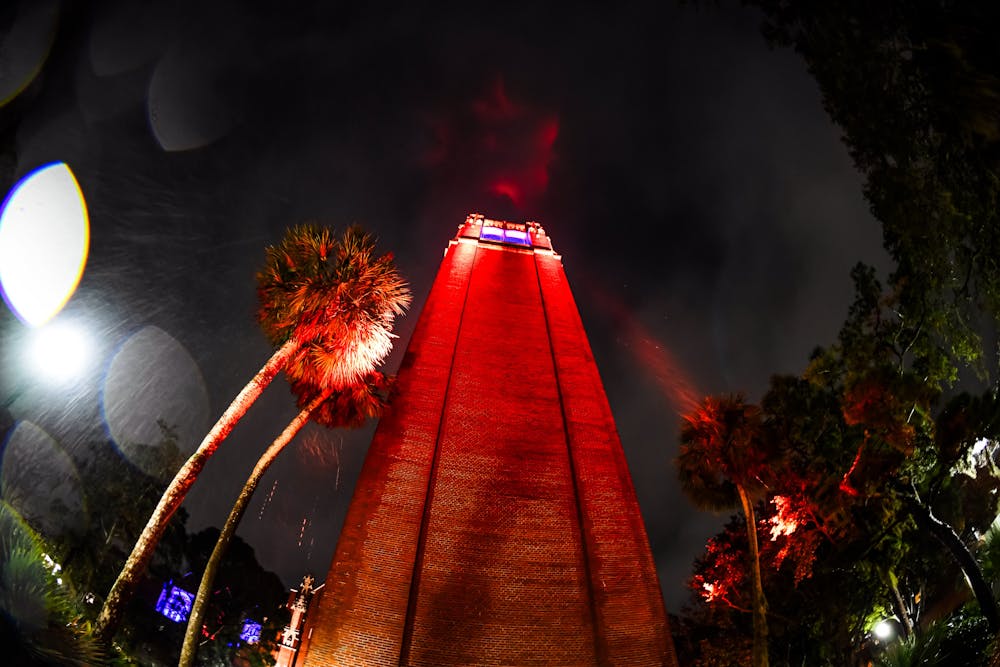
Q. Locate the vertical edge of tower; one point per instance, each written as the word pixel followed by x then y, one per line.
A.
pixel 632 626
pixel 368 585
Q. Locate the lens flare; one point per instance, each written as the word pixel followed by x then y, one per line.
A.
pixel 153 380
pixel 193 100
pixel 26 45
pixel 44 240
pixel 40 481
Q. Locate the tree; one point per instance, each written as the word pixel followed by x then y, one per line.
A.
pixel 243 591
pixel 814 621
pixel 328 304
pixel 721 464
pixel 39 624
pixel 349 408
pixel 120 493
pixel 915 88
pixel 888 374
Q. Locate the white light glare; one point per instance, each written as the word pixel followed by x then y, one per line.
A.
pixel 44 240
pixel 884 630
pixel 979 446
pixel 59 351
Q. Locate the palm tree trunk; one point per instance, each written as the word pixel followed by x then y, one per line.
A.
pixel 945 534
pixel 759 601
pixel 898 604
pixel 135 566
pixel 190 647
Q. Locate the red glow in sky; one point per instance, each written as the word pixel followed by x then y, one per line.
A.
pixel 653 356
pixel 494 145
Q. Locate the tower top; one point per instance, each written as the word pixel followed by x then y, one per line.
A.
pixel 518 235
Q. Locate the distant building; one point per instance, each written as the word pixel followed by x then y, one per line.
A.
pixel 494 521
pixel 292 643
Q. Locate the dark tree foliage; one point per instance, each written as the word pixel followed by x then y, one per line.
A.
pixel 877 491
pixel 40 624
pixel 120 497
pixel 243 589
pixel 915 87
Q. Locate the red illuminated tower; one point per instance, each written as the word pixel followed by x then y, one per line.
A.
pixel 494 522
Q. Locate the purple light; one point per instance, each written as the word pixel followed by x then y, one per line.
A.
pixel 250 632
pixel 518 237
pixel 491 234
pixel 512 236
pixel 174 603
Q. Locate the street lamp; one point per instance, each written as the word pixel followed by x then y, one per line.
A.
pixel 884 630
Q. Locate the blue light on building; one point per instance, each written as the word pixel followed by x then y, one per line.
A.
pixel 250 632
pixel 174 603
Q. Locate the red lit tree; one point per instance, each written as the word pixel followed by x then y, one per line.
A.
pixel 722 462
pixel 865 482
pixel 328 304
pixel 889 375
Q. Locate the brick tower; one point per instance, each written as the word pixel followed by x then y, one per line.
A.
pixel 494 522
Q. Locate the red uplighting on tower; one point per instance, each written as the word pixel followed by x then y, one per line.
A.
pixel 494 521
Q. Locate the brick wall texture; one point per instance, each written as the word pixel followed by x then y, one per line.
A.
pixel 494 521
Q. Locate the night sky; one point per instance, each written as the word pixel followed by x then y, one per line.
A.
pixel 707 213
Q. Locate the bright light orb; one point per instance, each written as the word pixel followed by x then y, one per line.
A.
pixel 59 351
pixel 44 239
pixel 884 630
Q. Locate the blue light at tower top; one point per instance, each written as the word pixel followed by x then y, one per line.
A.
pixel 250 632
pixel 511 236
pixel 502 231
pixel 174 603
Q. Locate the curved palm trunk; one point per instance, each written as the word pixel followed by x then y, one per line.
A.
pixel 190 647
pixel 945 534
pixel 135 566
pixel 901 611
pixel 760 658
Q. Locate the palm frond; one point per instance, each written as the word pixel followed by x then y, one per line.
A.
pixel 721 449
pixel 38 622
pixel 337 297
pixel 353 405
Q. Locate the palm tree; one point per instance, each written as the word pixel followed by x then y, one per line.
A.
pixel 327 304
pixel 720 465
pixel 346 408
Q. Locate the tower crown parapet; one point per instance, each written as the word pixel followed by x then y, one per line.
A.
pixel 527 234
